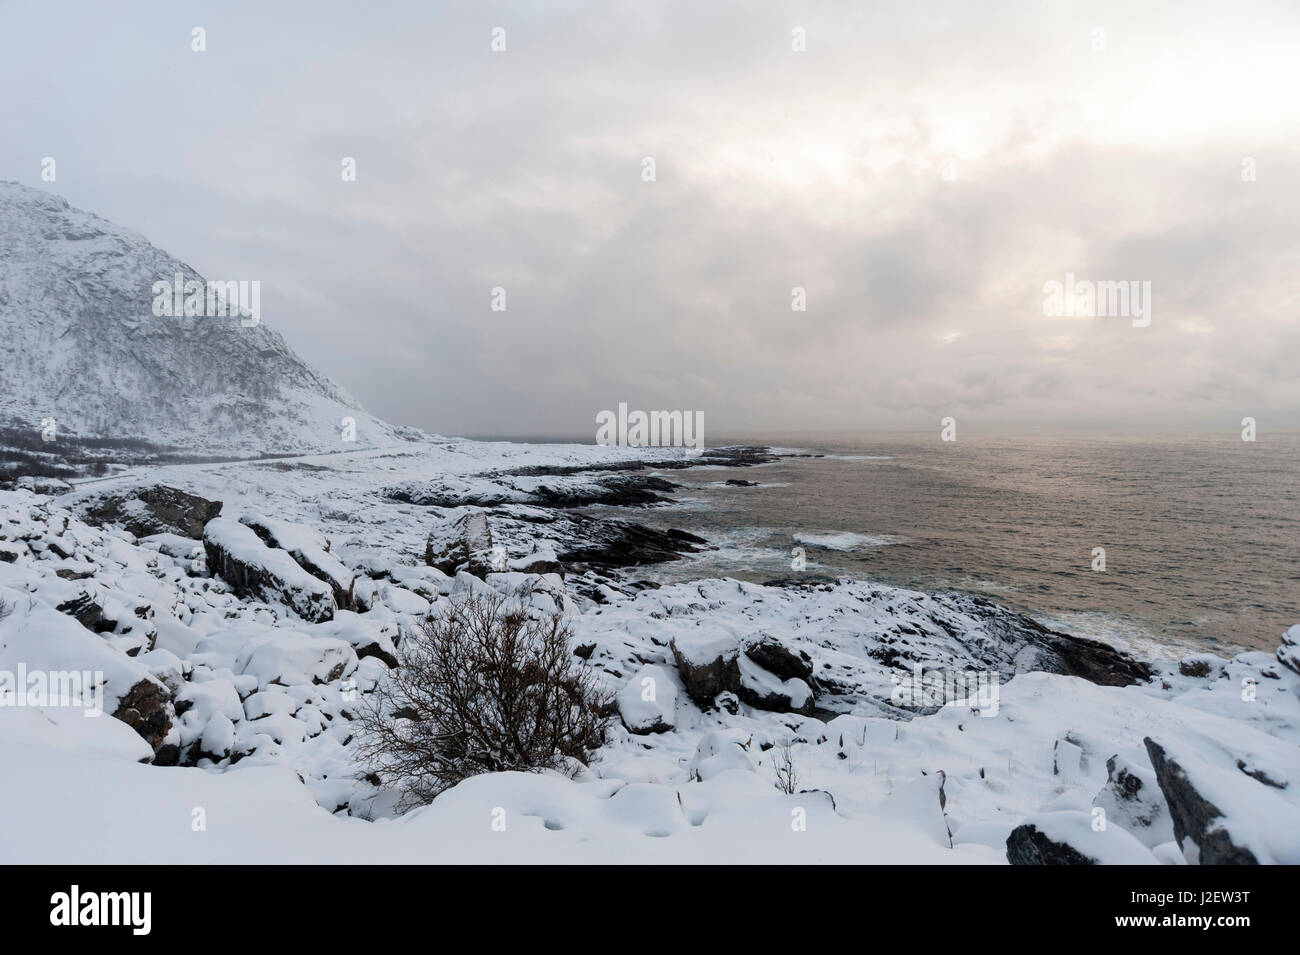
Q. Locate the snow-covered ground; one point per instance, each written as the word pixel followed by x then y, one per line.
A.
pixel 249 696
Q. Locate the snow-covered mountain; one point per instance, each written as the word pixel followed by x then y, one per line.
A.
pixel 80 343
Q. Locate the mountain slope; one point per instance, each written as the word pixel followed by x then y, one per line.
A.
pixel 80 343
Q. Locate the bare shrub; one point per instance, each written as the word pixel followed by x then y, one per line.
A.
pixel 483 687
pixel 787 777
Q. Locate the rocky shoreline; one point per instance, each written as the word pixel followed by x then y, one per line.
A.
pixel 242 628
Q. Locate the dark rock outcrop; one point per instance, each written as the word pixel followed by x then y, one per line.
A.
pixel 1195 818
pixel 715 667
pixel 153 510
pixel 1027 845
pixel 147 709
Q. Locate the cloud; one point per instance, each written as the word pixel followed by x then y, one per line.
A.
pixel 921 171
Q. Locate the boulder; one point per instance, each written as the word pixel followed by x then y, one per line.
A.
pixel 712 662
pixel 147 709
pixel 311 551
pixel 648 702
pixel 1069 838
pixel 776 658
pixel 252 569
pixel 1132 798
pixel 767 691
pixel 463 543
pixel 153 510
pixel 707 663
pixel 1288 654
pixel 1223 816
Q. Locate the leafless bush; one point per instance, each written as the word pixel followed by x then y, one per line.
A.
pixel 787 778
pixel 482 688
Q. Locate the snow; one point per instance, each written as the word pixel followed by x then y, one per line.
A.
pixel 265 699
pixel 648 703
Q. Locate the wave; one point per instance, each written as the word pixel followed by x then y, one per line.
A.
pixel 844 540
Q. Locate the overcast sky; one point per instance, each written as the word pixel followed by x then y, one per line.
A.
pixel 921 169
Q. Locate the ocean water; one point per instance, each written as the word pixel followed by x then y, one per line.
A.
pixel 1201 533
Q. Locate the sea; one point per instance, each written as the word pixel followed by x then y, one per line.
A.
pixel 1189 541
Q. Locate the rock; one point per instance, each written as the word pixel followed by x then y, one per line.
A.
pixel 720 751
pixel 464 543
pixel 1132 798
pixel 542 561
pixel 1288 654
pixel 85 609
pixel 153 510
pixel 775 657
pixel 309 549
pixel 1222 816
pixel 288 659
pixel 737 482
pixel 44 484
pixel 9 553
pixel 919 805
pixel 146 708
pixel 767 691
pixel 1068 838
pixel 707 664
pixel 712 663
pixel 615 543
pixel 648 702
pixel 1200 665
pixel 252 569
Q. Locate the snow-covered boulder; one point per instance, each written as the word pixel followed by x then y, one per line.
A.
pixel 1132 798
pixel 1224 817
pixel 720 751
pixel 309 548
pixel 1069 838
pixel 463 543
pixel 252 569
pixel 767 691
pixel 1288 654
pixel 648 702
pixel 286 659
pixel 66 665
pixel 706 660
pixel 711 661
